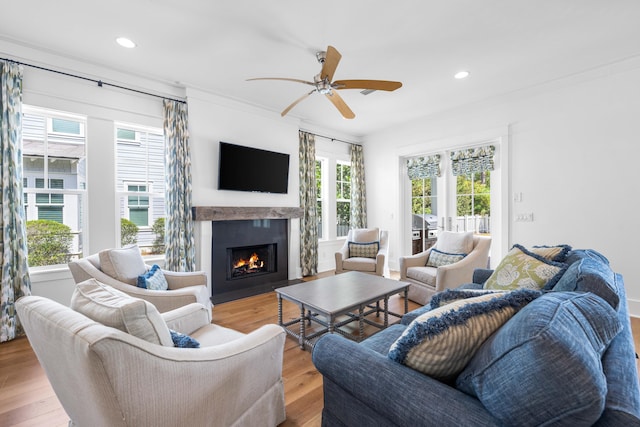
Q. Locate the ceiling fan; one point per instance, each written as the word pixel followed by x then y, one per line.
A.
pixel 323 83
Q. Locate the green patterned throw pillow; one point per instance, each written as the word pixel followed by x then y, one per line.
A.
pixel 523 269
pixel 363 250
pixel 438 258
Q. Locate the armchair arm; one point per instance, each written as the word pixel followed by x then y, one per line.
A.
pixel 188 318
pixel 341 255
pixel 182 279
pixel 417 260
pixel 461 272
pixel 222 383
pixel 372 379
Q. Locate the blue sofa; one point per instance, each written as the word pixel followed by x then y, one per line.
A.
pixel 363 386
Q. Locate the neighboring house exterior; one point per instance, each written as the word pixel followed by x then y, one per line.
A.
pixel 54 173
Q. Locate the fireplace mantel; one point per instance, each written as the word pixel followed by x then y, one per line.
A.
pixel 228 213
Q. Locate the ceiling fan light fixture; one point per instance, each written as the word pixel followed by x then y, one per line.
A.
pixel 461 75
pixel 125 42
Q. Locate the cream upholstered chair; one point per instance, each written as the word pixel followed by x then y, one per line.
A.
pixel 364 250
pixel 123 369
pixel 121 267
pixel 425 279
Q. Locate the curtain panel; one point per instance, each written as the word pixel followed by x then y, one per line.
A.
pixel 358 188
pixel 15 281
pixel 308 203
pixel 472 160
pixel 180 252
pixel 424 167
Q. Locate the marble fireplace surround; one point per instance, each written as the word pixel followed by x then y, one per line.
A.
pixel 204 215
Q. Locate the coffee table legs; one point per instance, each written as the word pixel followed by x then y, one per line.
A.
pixel 302 326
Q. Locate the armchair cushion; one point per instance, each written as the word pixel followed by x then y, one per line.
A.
pixel 441 342
pixel 568 386
pixel 455 243
pixel 365 235
pixel 116 309
pixel 124 264
pixel 363 250
pixel 438 258
pixel 523 269
pixel 153 279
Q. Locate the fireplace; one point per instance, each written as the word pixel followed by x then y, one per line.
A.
pixel 248 257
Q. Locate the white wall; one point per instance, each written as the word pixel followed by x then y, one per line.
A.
pixel 573 149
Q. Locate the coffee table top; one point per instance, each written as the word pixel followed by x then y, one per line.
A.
pixel 336 294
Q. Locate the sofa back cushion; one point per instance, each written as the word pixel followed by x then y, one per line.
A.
pixel 109 306
pixel 544 365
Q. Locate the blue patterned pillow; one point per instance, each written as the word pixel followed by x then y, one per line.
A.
pixel 363 250
pixel 153 279
pixel 438 258
pixel 183 341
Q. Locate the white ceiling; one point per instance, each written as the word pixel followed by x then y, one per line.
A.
pixel 507 45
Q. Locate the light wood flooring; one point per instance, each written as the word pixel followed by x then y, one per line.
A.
pixel 27 399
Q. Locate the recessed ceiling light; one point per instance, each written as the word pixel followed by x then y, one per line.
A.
pixel 461 75
pixel 125 42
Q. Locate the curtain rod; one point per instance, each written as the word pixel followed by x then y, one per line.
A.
pixel 331 138
pixel 100 83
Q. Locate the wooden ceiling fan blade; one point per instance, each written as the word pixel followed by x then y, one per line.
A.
pixel 366 84
pixel 283 79
pixel 296 102
pixel 331 61
pixel 340 105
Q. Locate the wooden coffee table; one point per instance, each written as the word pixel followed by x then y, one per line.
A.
pixel 351 296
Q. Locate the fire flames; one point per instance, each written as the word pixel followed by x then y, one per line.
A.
pixel 250 264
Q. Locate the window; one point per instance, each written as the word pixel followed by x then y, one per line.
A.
pixel 473 202
pixel 140 183
pixel 343 198
pixel 54 167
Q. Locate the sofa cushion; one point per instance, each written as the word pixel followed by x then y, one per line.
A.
pixel 153 279
pixel 365 235
pixel 363 250
pixel 578 254
pixel 438 258
pixel 455 243
pixel 440 342
pixel 556 253
pixel 124 264
pixel 543 366
pixel 109 306
pixel 523 269
pixel 451 295
pixel 590 275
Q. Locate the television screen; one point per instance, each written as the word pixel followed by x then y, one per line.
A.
pixel 252 169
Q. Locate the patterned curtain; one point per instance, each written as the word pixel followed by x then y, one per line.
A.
pixel 424 167
pixel 180 252
pixel 15 280
pixel 358 189
pixel 472 160
pixel 309 204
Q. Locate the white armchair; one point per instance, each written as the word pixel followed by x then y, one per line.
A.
pixel 426 280
pixel 370 259
pixel 116 376
pixel 126 264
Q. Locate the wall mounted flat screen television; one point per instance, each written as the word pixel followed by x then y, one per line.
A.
pixel 252 169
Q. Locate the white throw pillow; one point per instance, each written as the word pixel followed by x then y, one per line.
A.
pixel 455 243
pixel 109 306
pixel 124 264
